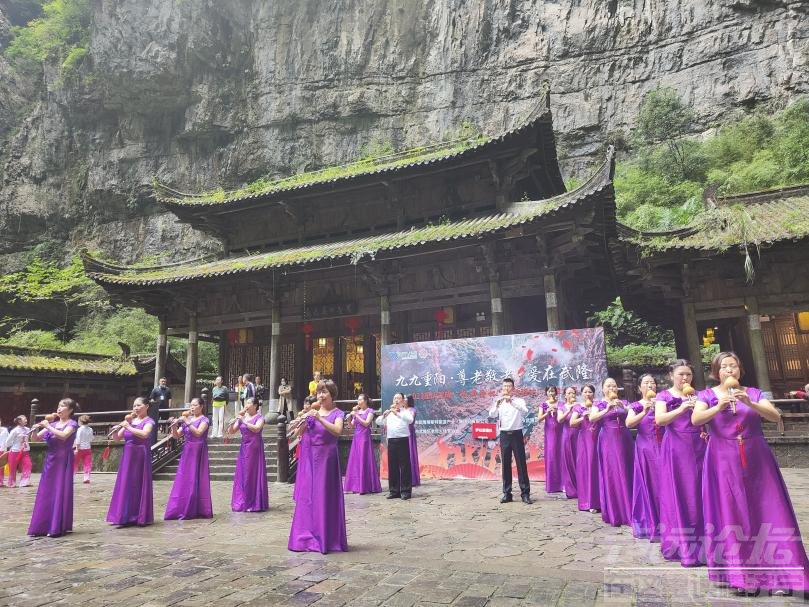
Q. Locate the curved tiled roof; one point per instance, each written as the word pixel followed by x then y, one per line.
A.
pixel 356 249
pixel 756 218
pixel 18 359
pixel 419 157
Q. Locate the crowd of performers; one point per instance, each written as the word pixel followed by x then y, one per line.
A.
pixel 700 478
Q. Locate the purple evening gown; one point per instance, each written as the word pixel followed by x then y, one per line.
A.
pixel 414 453
pixel 318 524
pixel 250 492
pixel 570 437
pixel 681 455
pixel 615 466
pixel 587 464
pixel 362 475
pixel 53 508
pixel 553 453
pixel 744 496
pixel 131 502
pixel 300 474
pixel 191 492
pixel 646 484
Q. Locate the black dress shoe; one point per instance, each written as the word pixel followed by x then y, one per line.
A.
pixel 506 499
pixel 405 496
pixel 526 499
pixel 393 496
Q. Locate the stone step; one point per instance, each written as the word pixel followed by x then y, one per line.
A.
pixel 218 476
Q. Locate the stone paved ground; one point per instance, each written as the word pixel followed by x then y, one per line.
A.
pixel 453 543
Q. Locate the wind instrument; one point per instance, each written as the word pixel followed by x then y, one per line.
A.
pixel 731 385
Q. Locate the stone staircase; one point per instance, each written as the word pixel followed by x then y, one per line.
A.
pixel 222 460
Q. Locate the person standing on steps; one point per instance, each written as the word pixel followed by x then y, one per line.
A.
pixel 511 412
pixel 160 398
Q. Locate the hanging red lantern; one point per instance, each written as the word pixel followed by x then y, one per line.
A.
pixel 353 324
pixel 440 315
pixel 233 336
pixel 307 329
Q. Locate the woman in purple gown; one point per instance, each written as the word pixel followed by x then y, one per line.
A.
pixel 250 492
pixel 751 533
pixel 681 455
pixel 191 492
pixel 553 441
pixel 414 445
pixel 131 502
pixel 318 524
pixel 570 436
pixel 587 483
pixel 645 487
pixel 615 457
pixel 53 508
pixel 362 475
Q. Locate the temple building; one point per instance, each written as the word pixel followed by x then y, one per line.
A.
pixel 466 238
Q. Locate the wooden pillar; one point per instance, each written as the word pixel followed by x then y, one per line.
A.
pixel 551 309
pixel 384 319
pixel 191 359
pixel 162 347
pixel 498 327
pixel 369 365
pixel 692 343
pixel 275 357
pixel 757 346
pixel 32 414
pixel 283 450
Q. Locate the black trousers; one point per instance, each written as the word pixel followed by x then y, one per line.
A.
pixel 400 477
pixel 511 441
pixel 154 413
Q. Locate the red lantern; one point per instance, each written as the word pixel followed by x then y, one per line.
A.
pixel 353 323
pixel 307 329
pixel 440 315
pixel 233 336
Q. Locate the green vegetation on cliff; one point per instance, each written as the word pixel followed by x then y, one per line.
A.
pixel 60 35
pixel 661 183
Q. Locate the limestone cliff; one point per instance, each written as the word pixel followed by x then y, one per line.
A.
pixel 200 93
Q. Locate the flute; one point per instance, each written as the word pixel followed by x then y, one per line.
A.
pixel 51 417
pixel 173 422
pixel 127 418
pixel 731 385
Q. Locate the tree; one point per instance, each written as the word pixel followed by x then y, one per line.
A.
pixel 45 281
pixel 665 119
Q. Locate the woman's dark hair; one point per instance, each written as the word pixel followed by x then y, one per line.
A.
pixel 364 397
pixel 402 394
pixel 251 401
pixel 554 388
pixel 18 420
pixel 410 401
pixel 575 390
pixel 644 376
pixel 680 362
pixel 197 401
pixel 84 419
pixel 591 386
pixel 71 404
pixel 508 380
pixel 329 386
pixel 716 363
pixel 140 400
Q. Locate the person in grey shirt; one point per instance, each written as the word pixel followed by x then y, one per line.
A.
pixel 511 411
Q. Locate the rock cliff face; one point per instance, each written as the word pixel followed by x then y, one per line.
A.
pixel 200 93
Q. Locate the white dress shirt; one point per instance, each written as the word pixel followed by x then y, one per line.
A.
pixel 511 412
pixel 398 424
pixel 84 437
pixel 16 440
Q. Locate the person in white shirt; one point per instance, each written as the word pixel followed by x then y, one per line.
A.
pixel 511 412
pixel 17 446
pixel 397 421
pixel 84 447
pixel 3 439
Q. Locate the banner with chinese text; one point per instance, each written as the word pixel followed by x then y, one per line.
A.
pixel 455 381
